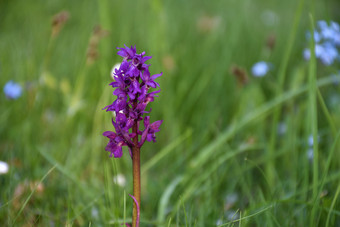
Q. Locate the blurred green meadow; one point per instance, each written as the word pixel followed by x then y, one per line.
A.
pixel 233 150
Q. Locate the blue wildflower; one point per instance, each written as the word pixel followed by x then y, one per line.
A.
pixel 310 151
pixel 327 38
pixel 311 140
pixel 331 32
pixel 260 69
pixel 12 90
pixel 336 28
pixel 328 54
pixel 317 36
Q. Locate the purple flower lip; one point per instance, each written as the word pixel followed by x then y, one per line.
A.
pixel 136 61
pixel 132 83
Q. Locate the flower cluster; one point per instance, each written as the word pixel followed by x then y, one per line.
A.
pixel 327 40
pixel 132 83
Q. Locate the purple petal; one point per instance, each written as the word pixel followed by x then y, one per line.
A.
pixel 146 121
pixel 146 58
pixel 145 75
pixel 156 75
pixel 114 84
pixel 120 117
pixel 144 135
pixel 118 152
pixel 109 107
pixel 138 211
pixel 126 52
pixel 110 134
pixel 124 66
pixel 155 126
pixel 136 86
pixel 152 84
pixel 119 92
pixel 150 138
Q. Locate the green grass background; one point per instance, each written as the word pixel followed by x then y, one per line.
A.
pixel 218 139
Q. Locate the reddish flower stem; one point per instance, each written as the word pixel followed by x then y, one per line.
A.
pixel 135 173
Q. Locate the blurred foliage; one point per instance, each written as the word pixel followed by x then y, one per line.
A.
pixel 219 155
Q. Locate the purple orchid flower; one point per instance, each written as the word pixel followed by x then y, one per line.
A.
pixel 150 130
pixel 132 82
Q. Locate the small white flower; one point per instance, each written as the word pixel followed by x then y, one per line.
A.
pixel 116 66
pixel 114 112
pixel 3 167
pixel 269 18
pixel 95 212
pixel 231 198
pixel 219 222
pixel 232 215
pixel 120 179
